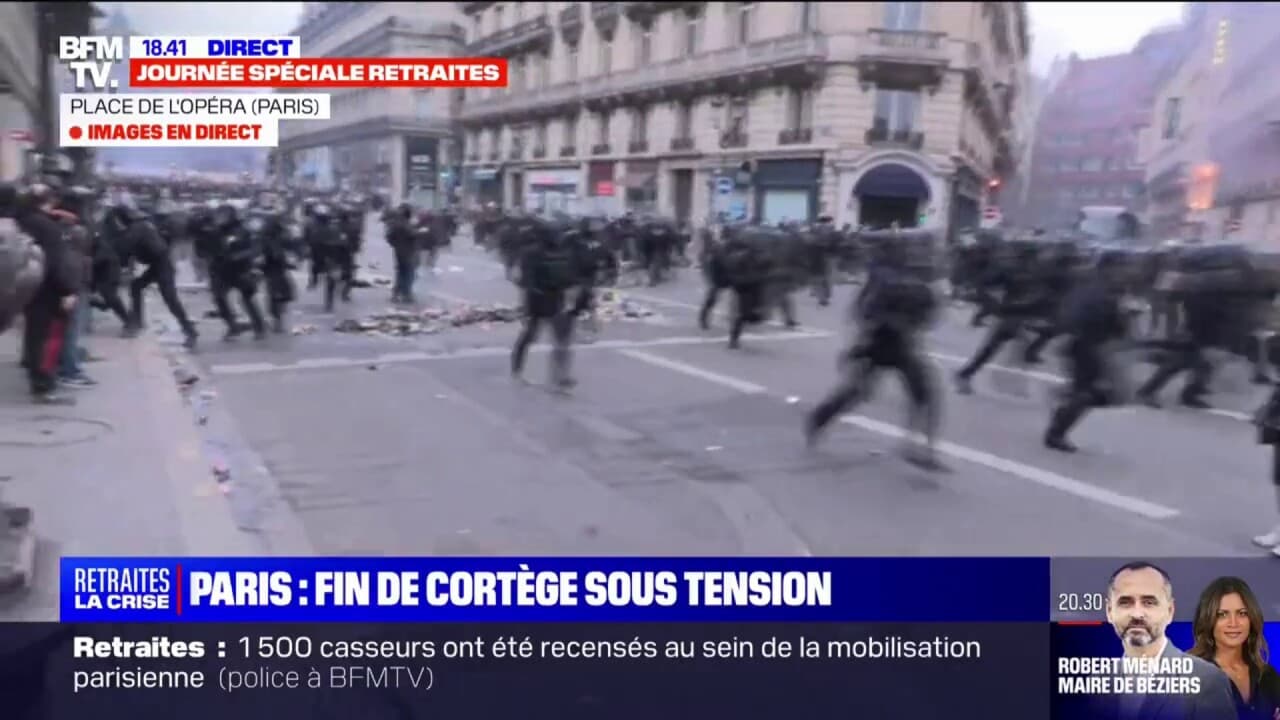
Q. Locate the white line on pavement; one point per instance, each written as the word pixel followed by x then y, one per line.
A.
pixel 1037 476
pixel 741 386
pixel 254 368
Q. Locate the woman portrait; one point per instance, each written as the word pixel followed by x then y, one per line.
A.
pixel 1228 633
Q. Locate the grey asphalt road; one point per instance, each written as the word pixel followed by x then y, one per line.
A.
pixel 672 444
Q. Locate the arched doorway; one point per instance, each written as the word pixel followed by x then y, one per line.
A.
pixel 889 193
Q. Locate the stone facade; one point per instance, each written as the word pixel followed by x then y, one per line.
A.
pixel 19 86
pixel 764 110
pixel 1213 145
pixel 395 140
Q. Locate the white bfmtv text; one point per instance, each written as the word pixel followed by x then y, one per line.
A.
pixel 90 59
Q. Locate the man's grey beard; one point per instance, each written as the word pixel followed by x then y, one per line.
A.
pixel 1140 637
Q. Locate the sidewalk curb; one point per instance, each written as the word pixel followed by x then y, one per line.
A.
pixel 204 515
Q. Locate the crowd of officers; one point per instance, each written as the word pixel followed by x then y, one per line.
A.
pixel 1025 291
pixel 64 248
pixel 1108 305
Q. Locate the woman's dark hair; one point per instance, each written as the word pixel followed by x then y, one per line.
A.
pixel 1255 647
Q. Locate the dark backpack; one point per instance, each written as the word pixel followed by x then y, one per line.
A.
pixel 557 268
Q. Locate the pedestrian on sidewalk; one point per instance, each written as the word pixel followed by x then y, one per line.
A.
pixel 70 373
pixel 46 315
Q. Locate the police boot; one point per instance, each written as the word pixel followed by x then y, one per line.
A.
pixel 1064 418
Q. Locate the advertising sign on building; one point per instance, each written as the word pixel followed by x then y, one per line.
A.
pixel 420 163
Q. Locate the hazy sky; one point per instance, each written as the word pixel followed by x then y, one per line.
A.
pixel 1087 28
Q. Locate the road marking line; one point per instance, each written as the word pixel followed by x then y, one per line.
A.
pixel 402 357
pixel 741 386
pixel 323 362
pixel 1045 478
pixel 251 368
pixel 244 368
pixel 1037 476
pixel 1233 414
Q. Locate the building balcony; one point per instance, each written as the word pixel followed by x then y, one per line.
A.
pixel 532 34
pixel 600 149
pixel 682 144
pixel 539 153
pixel 794 59
pixel 568 151
pixel 732 139
pixel 570 21
pixel 637 147
pixel 605 16
pixel 911 58
pixel 884 137
pixel 795 136
pixel 986 86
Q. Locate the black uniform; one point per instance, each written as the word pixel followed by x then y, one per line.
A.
pixel 331 252
pixel 1022 298
pixel 398 223
pixel 1093 320
pixel 549 269
pixel 277 245
pixel 894 308
pixel 234 266
pixel 143 244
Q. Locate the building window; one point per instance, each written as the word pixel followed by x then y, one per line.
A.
pixel 1172 115
pixel 517 74
pixel 896 110
pixel 606 56
pixel 544 71
pixel 644 44
pixel 571 63
pixel 903 15
pixel 684 120
pixel 743 23
pixel 540 135
pixel 422 103
pixel 799 108
pixel 736 116
pixel 495 140
pixel 640 125
pixel 808 14
pixel 602 128
pixel 1091 165
pixel 477 27
pixel 570 130
pixel 497 18
pixel 518 11
pixel 692 33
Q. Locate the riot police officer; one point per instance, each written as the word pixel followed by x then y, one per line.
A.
pixel 896 306
pixel 234 266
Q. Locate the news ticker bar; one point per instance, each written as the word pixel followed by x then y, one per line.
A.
pixel 900 670
pixel 623 589
pixel 368 671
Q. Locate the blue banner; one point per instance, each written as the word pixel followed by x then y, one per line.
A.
pixel 554 589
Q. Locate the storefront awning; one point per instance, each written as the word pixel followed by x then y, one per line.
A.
pixel 892 180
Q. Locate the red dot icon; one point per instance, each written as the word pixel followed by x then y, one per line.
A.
pixel 74 132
